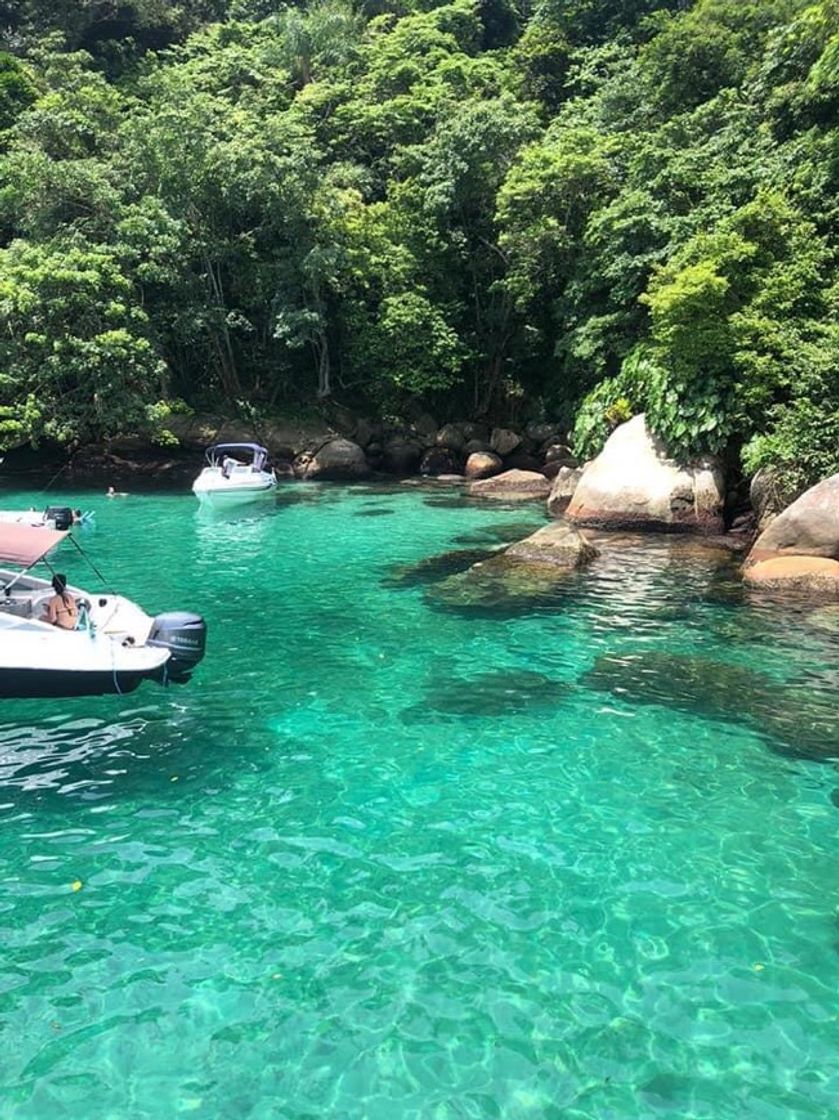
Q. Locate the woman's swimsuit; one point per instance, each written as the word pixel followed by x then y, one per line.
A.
pixel 72 613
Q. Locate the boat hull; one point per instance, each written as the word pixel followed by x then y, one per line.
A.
pixel 238 487
pixel 52 683
pixel 224 499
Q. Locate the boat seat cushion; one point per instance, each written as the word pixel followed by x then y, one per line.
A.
pixel 21 608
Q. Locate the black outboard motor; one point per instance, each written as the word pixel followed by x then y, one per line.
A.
pixel 185 634
pixel 62 516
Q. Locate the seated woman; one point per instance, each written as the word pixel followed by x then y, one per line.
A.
pixel 62 609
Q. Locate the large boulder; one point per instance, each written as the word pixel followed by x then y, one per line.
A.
pixel 474 445
pixel 512 486
pixel 543 433
pixel 451 435
pixel 564 486
pixel 367 432
pixel 440 461
pixel 426 427
pixel 558 453
pixel 503 441
pixel 475 430
pixel 632 484
pixel 483 464
pixel 338 460
pixel 523 461
pixel 817 575
pixel 809 527
pixel 401 456
pixel 766 496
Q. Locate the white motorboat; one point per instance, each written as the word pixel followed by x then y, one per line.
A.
pixel 114 646
pixel 235 473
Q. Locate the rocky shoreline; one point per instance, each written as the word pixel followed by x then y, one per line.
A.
pixel 630 487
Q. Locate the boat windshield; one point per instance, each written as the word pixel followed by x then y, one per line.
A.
pixel 255 454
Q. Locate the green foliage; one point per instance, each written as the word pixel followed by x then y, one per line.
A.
pixel 414 349
pixel 801 441
pixel 17 90
pixel 77 363
pixel 613 401
pixel 586 207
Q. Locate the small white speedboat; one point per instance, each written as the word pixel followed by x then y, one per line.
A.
pixel 235 473
pixel 113 647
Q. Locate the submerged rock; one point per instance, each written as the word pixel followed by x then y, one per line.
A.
pixel 512 486
pixel 633 485
pixel 446 501
pixel 684 681
pixel 559 546
pixel 431 569
pixel 803 723
pixel 497 693
pixel 528 574
pixel 505 533
pixel 796 721
pixel 499 586
pixel 826 619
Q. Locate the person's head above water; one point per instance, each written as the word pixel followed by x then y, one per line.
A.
pixel 59 583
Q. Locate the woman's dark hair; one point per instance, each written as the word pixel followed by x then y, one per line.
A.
pixel 59 585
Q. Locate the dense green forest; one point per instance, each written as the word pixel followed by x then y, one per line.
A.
pixel 572 209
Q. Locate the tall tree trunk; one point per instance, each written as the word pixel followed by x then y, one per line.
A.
pixel 230 382
pixel 492 382
pixel 320 352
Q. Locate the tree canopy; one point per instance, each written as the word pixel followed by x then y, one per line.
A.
pixel 571 209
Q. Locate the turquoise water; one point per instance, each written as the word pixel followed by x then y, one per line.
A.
pixel 385 859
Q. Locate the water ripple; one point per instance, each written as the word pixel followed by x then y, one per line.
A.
pixel 379 860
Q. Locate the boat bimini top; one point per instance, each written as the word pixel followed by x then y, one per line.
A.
pixel 25 545
pixel 220 451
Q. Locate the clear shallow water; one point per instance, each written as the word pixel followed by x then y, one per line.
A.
pixel 382 859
